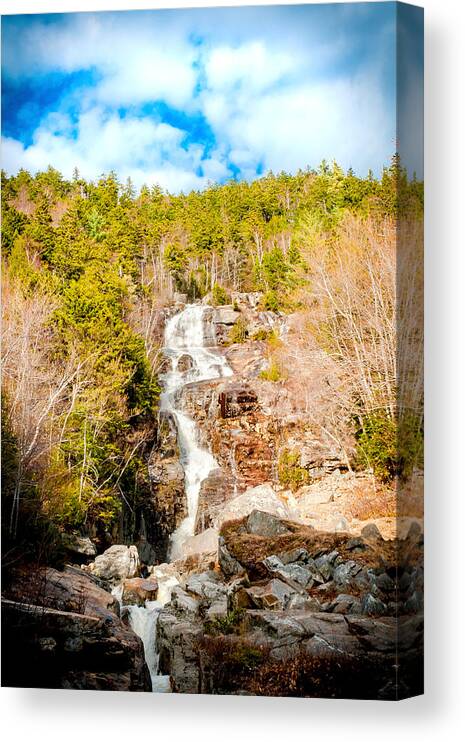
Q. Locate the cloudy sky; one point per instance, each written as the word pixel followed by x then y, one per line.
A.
pixel 184 97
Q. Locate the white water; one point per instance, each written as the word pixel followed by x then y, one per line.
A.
pixel 185 336
pixel 143 621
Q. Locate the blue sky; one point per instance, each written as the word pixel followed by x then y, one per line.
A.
pixel 185 97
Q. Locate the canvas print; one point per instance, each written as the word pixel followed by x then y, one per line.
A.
pixel 212 350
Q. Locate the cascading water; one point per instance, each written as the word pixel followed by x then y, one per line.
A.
pixel 185 335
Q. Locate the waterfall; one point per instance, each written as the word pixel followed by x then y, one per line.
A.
pixel 185 337
pixel 143 621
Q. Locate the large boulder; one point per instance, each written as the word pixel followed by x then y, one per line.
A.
pixel 261 498
pixel 79 547
pixel 116 564
pixel 261 523
pixel 65 630
pixel 275 595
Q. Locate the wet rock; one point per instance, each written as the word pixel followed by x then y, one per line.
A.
pixel 177 641
pixel 116 564
pixel 215 490
pixel 137 590
pixel 185 363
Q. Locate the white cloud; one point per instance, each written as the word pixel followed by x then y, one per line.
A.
pixel 273 93
pixel 251 66
pixel 300 124
pixel 148 152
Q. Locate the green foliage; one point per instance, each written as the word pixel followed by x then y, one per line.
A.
pixel 390 446
pixel 274 372
pixel 290 473
pixel 238 332
pixel 220 296
pixel 270 301
pixel 226 624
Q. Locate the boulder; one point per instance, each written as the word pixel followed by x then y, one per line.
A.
pixel 207 586
pixel 344 572
pixel 184 603
pixel 370 532
pixel 296 574
pixel 203 543
pixel 262 523
pixel 137 590
pixel 79 546
pixel 261 498
pixel 177 642
pixel 67 631
pixel 275 595
pixel 229 565
pixel 116 564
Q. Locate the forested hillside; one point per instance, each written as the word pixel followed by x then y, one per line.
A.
pixel 89 267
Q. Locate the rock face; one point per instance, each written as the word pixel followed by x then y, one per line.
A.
pixel 294 611
pixel 61 630
pixel 116 564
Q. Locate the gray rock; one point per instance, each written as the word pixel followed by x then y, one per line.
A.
pixel 116 564
pixel 184 603
pixel 304 603
pixel 385 583
pixel 345 571
pixel 229 565
pixel 274 595
pixel 343 603
pixel 80 545
pixel 265 524
pixel 295 555
pixel 371 532
pixel 295 574
pixel 218 609
pixel 372 606
pixel 177 642
pixel 206 585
